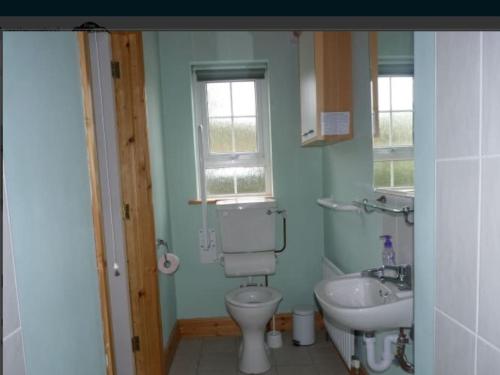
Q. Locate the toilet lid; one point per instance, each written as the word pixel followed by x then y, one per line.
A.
pixel 253 296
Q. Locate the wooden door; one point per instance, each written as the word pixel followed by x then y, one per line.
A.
pixel 138 217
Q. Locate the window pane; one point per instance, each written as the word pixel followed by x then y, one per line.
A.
pixel 245 134
pixel 251 180
pixel 384 121
pixel 384 94
pixel 243 98
pixel 403 173
pixel 402 93
pixel 402 128
pixel 220 181
pixel 220 135
pixel 218 99
pixel 382 173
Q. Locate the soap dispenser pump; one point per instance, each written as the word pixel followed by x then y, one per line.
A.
pixel 388 254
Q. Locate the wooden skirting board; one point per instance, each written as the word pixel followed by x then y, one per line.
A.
pixel 225 326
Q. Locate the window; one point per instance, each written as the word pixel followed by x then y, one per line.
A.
pixel 233 107
pixel 393 145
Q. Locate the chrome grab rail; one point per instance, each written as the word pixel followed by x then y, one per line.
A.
pixel 370 207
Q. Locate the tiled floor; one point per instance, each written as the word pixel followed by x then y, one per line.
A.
pixel 218 356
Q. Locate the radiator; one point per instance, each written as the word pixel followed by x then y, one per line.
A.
pixel 342 338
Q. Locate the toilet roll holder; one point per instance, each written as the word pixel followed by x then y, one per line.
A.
pixel 162 243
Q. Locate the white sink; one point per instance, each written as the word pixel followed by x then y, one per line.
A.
pixel 365 303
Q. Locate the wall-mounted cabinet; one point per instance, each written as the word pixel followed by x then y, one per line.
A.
pixel 325 64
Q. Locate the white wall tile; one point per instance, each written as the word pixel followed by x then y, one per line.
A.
pixel 488 359
pixel 454 348
pixel 491 93
pixel 458 200
pixel 13 350
pixel 10 310
pixel 13 355
pixel 456 239
pixel 9 298
pixel 489 279
pixel 457 91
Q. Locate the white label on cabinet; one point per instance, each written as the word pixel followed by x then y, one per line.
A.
pixel 335 123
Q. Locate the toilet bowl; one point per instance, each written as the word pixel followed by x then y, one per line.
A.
pixel 252 307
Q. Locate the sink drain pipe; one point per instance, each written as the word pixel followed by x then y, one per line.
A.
pixel 400 353
pixel 387 356
pixel 400 340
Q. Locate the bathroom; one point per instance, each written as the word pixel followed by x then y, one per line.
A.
pixel 321 242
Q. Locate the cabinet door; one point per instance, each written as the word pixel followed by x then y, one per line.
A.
pixel 308 109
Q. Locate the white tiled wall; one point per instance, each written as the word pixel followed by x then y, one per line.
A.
pixel 13 351
pixel 467 203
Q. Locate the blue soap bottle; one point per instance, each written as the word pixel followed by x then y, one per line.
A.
pixel 388 254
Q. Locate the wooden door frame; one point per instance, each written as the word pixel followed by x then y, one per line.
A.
pixel 135 174
pixel 96 199
pixel 136 194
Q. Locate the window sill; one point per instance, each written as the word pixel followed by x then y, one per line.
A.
pixel 400 192
pixel 196 202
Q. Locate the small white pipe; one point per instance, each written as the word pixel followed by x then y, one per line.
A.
pixel 203 187
pixel 387 355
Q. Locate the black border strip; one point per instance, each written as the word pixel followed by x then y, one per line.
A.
pixel 433 23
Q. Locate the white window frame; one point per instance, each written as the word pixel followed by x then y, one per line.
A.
pixel 261 158
pixel 395 153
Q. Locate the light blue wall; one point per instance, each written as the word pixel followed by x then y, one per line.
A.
pixel 425 154
pixel 158 174
pixel 297 171
pixel 352 240
pixel 49 199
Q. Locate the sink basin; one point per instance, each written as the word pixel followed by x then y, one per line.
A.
pixel 364 303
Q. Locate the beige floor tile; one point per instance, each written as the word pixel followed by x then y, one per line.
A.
pixel 324 354
pixel 218 372
pixel 332 369
pixel 297 370
pixel 218 361
pixel 189 350
pixel 219 356
pixel 219 345
pixel 182 366
pixel 292 355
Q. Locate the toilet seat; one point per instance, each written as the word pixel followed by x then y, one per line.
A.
pixel 253 296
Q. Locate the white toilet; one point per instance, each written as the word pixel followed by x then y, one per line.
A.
pixel 248 240
pixel 252 307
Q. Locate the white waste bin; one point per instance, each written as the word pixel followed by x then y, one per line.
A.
pixel 303 325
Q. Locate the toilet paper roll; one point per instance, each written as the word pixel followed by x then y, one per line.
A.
pixel 250 264
pixel 168 263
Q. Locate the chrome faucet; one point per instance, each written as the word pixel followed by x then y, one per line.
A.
pixel 402 277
